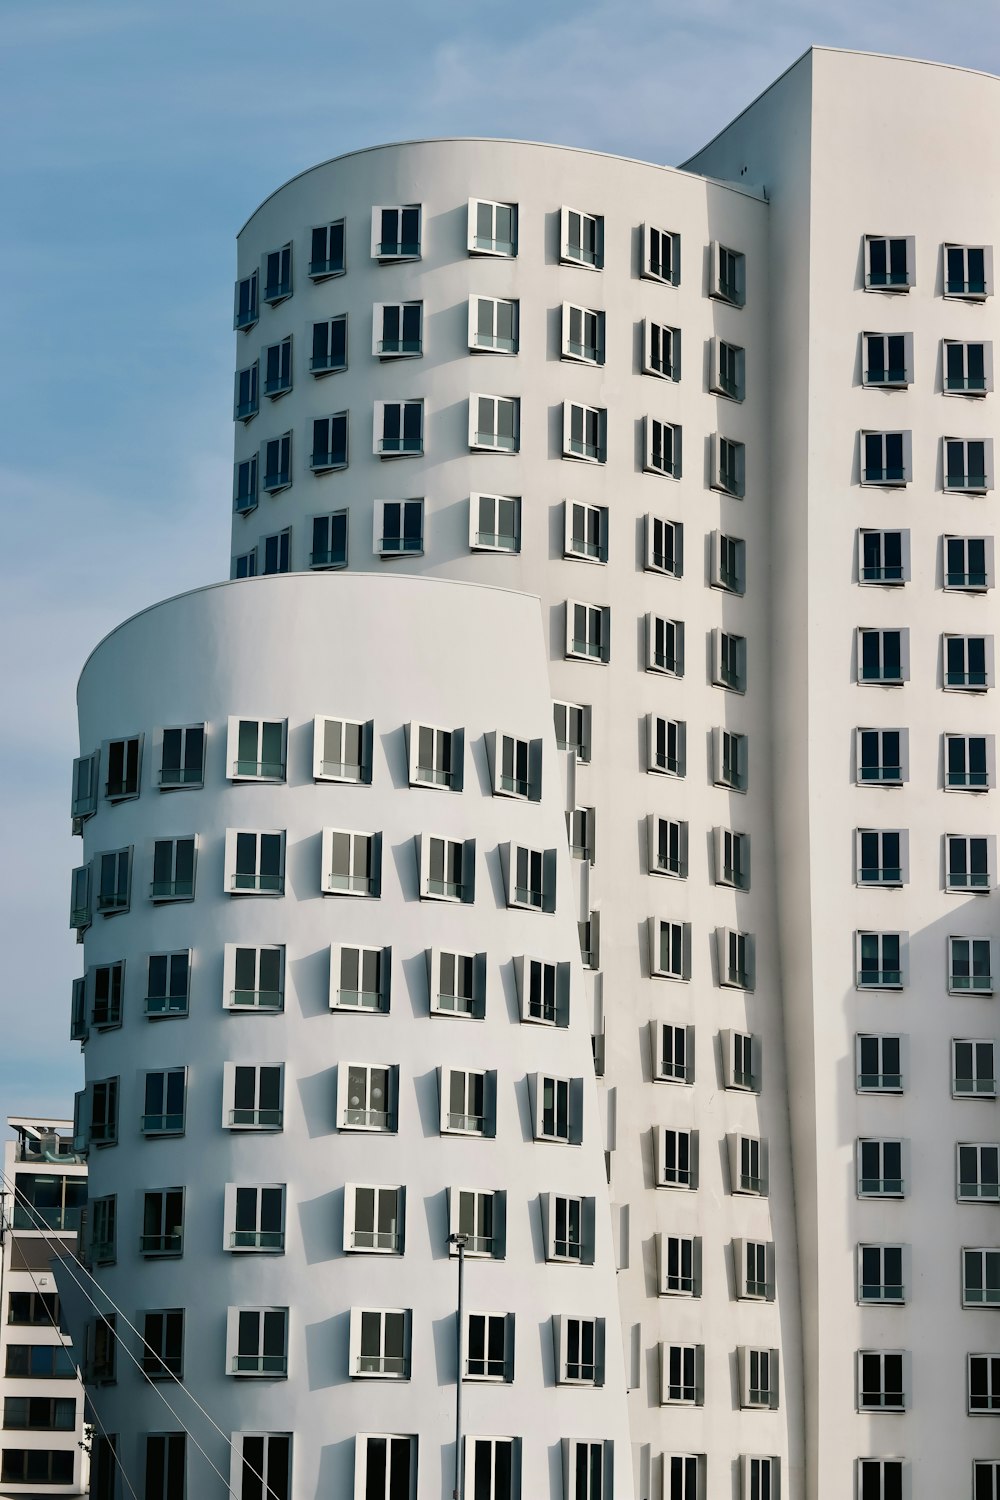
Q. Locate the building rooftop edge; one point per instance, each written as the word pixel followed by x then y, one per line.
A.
pixel 923 62
pixel 281 579
pixel 447 140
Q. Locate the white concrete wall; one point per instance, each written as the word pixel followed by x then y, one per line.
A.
pixel 395 650
pixel 442 176
pixel 874 155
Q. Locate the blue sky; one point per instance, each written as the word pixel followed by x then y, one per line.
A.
pixel 138 135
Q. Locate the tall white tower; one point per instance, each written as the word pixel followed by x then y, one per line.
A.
pixel 725 425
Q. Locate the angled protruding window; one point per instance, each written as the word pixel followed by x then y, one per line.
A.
pixel 396 232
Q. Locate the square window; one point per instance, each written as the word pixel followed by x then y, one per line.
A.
pixel 278 368
pixel 585 432
pixel 661 255
pixel 396 232
pixel 385 1466
pixel 675 1155
pixel 970 965
pixel 889 263
pixel 665 646
pixel 342 750
pixel 379 1343
pixel 367 1095
pixel 276 456
pixel 467 1098
pixel 168 983
pixel 360 978
pixel 968 563
pixel 579 1350
pixel 582 334
pixel 758 1371
pixel 164 1105
pixel 968 464
pixel 557 1108
pixel 747 1164
pixel 887 360
pixel 981 1278
pixel 669 949
pixel 173 869
pixel 662 448
pixel 492 228
pixel 569 1228
pixel 973 1069
pixel 664 551
pixel 326 251
pixel 489 1346
pixel 967 662
pixel 880 1168
pixel 886 459
pixel 883 656
pixel 880 960
pixel 672 1050
pixel 447 868
pixel 479 1217
pixel 352 863
pixel 968 273
pixel 255 863
pixel 966 368
pixel 879 1063
pixel 529 877
pixel 494 324
pixel 661 350
pixel 667 846
pixel 435 756
pixel 753 1261
pixel 581 239
pixel 586 532
pixel 970 862
pixel 257 1341
pixel 728 275
pixel 678 1265
pixel 399 528
pixel 246 399
pixel 329 446
pixel 261 1463
pixel 588 631
pixel 182 757
pixel 883 557
pixel 253 1096
pixel 881 856
pixel 682 1374
pixel 881 1380
pixel 978 1172
pixel 162 1222
pixel 246 312
pixel 245 485
pixel 495 523
pixel 572 727
pixel 880 757
pixel 728 370
pixel 374 1219
pixel 277 270
pixel 666 745
pixel 515 766
pixel 397 330
pixel 456 983
pixel 494 423
pixel 880 1274
pixel 399 429
pixel 254 978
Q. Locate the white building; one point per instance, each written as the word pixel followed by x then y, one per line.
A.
pixel 42 1198
pixel 731 426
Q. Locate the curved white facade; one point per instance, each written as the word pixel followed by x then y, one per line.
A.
pixel 738 441
pixel 384 651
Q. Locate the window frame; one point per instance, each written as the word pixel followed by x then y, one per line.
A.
pixel 328 266
pixel 387 449
pixel 896 282
pixel 369 1002
pixel 232 875
pixel 590 319
pixel 494 441
pixel 649 268
pixel 496 249
pixel 579 648
pixel 404 348
pixel 265 1118
pixel 396 1236
pixel 580 548
pixel 404 544
pixel 591 417
pixel 336 453
pixel 387 252
pixel 389 1122
pixel 655 460
pixel 264 1001
pixel 661 350
pixel 493 541
pixel 278 1369
pixel 365 735
pixel 588 259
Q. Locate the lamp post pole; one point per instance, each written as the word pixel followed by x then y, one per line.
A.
pixel 459 1241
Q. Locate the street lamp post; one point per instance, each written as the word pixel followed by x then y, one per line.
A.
pixel 459 1241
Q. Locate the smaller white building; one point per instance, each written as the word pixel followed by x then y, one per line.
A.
pixel 42 1198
